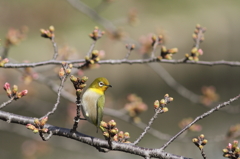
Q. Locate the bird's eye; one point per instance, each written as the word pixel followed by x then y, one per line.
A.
pixel 101 84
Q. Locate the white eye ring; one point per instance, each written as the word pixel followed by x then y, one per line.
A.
pixel 101 84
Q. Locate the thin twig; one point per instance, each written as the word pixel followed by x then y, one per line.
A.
pixel 46 136
pixel 58 96
pixel 198 39
pixel 174 84
pixel 203 154
pixel 199 118
pixel 154 48
pixel 55 48
pixel 128 54
pixel 148 126
pixel 6 103
pixel 91 48
pixel 93 14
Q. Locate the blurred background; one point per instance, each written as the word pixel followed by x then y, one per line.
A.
pixel 136 20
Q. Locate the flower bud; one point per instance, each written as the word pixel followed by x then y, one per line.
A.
pixel 73 78
pixel 194 50
pixel 36 121
pixel 35 130
pixel 163 49
pixel 30 126
pixel 170 99
pixel 115 138
pixel 165 109
pixel 113 131
pixel 204 142
pixel 126 135
pixel 68 70
pixel 166 95
pixel 162 101
pixel 202 136
pixel 84 79
pixel 173 50
pixel 156 104
pixel 106 134
pixel 61 72
pixel 225 150
pixel 51 28
pixel 112 123
pixel 43 121
pixel 95 53
pixel 104 124
pixel 195 140
pixel 14 89
pixel 120 135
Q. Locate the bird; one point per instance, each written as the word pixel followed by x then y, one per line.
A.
pixel 93 101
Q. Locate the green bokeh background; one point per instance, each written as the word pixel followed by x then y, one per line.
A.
pixel 176 19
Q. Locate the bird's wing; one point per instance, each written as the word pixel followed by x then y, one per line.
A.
pixel 100 105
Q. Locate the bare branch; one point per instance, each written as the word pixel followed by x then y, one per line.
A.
pixel 6 103
pixel 91 48
pixel 148 126
pixel 92 141
pixel 199 118
pixel 58 96
pixel 174 84
pixel 124 61
pixel 55 48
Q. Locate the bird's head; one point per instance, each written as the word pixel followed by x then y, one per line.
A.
pixel 100 83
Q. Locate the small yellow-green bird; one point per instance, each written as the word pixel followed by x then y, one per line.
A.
pixel 93 101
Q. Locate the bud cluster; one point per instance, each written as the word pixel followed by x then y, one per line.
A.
pixel 15 36
pixel 161 105
pixel 13 93
pixel 200 141
pixel 49 33
pixel 135 107
pixel 234 131
pixel 29 75
pixel 93 59
pixel 38 125
pixel 133 17
pixel 96 34
pixel 167 53
pixel 110 132
pixel 158 39
pixel 78 83
pixel 199 33
pixel 198 37
pixel 195 53
pixel 130 47
pixel 209 95
pixel 65 70
pixel 232 150
pixel 3 61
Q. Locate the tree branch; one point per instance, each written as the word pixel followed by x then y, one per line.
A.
pixel 92 141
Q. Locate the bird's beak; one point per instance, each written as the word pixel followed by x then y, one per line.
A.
pixel 109 85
